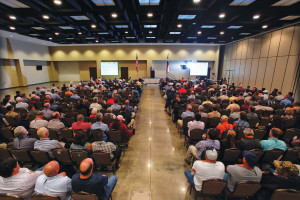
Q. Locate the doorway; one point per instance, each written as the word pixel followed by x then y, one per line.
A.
pixel 93 72
pixel 124 73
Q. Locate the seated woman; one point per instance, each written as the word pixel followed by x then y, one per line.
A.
pixel 81 142
pixel 118 124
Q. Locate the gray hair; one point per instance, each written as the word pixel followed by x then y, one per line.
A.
pixel 94 111
pixel 109 110
pixel 20 132
pixel 41 132
pixel 248 131
pixel 201 108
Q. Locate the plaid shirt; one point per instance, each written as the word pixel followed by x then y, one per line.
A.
pixel 241 125
pixel 104 146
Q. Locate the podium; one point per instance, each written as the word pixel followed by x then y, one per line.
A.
pixel 152 73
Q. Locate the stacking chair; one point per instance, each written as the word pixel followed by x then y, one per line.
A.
pixel 115 137
pixel 226 112
pixel 244 190
pixel 53 134
pixel 184 127
pixel 253 122
pixel 33 133
pixel 12 121
pixel 259 113
pixel 259 133
pixel 289 134
pixel 291 155
pixel 40 157
pixel 79 155
pixel 69 121
pixel 231 155
pixel 210 188
pixel 67 135
pixel 102 159
pixel 9 197
pixel 195 136
pixel 213 122
pixel 205 120
pixel 288 123
pixel 84 196
pixel 231 120
pixel 4 154
pixel 22 155
pixel 271 155
pixel 63 156
pixel 7 134
pixel 107 120
pixel 264 121
pixel 286 194
pixel 44 197
pixel 257 152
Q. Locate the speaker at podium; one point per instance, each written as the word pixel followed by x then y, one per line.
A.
pixel 152 72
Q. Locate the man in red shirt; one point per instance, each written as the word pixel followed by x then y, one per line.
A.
pixel 111 101
pixel 224 125
pixel 80 124
pixel 182 90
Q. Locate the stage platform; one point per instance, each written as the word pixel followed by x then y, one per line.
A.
pixel 151 80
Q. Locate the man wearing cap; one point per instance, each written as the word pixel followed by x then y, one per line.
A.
pixel 205 169
pixel 243 172
pixel 286 176
pixel 273 142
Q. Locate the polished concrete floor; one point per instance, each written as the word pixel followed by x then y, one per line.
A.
pixel 153 165
pixel 154 160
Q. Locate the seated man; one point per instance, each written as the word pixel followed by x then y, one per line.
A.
pixel 47 112
pixel 196 124
pixel 80 124
pixel 214 113
pixel 109 113
pixel 75 95
pixel 22 141
pixel 243 172
pixel 53 183
pixel 273 142
pixel 196 151
pixel 201 110
pixel 89 182
pixel 205 169
pixel 251 114
pixel 233 105
pixel 116 106
pixel 235 113
pixel 38 122
pixel 11 112
pixel 249 142
pixel 187 113
pixel 98 125
pixel 224 125
pixel 95 104
pixel 20 103
pixel 15 180
pixel 286 176
pixel 241 123
pixel 55 124
pixel 45 144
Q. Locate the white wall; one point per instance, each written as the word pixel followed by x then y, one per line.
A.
pixel 32 75
pixel 68 71
pixel 174 68
pixel 5 79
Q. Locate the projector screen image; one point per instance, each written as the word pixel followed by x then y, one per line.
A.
pixel 198 69
pixel 109 69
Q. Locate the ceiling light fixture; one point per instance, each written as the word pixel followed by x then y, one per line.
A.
pixel 79 33
pixel 150 32
pixel 179 25
pixel 199 32
pixel 222 33
pixel 256 16
pixel 45 16
pixel 265 26
pixel 196 1
pixel 150 14
pixel 56 33
pixel 12 28
pixel 12 17
pixel 222 15
pixel 114 15
pixel 93 26
pixel 57 2
pixel 126 32
pixel 50 38
pixel 97 41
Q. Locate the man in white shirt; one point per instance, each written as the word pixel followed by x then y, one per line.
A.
pixel 15 180
pixel 53 183
pixel 20 103
pixel 195 124
pixel 55 123
pixel 205 169
pixel 95 104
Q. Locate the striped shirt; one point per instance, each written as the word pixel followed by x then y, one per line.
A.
pixel 47 145
pixel 21 184
pixel 104 146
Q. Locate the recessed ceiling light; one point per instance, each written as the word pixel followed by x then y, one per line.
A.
pixel 56 33
pixel 79 33
pixel 126 32
pixel 50 38
pixel 12 17
pixel 196 1
pixel 150 14
pixel 256 16
pixel 179 25
pixel 222 15
pixel 97 41
pixel 12 28
pixel 222 33
pixel 265 26
pixel 93 25
pixel 199 32
pixel 114 15
pixel 150 32
pixel 45 16
pixel 57 2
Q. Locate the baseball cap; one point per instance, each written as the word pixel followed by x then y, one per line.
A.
pixel 211 153
pixel 251 158
pixel 120 118
pixel 286 168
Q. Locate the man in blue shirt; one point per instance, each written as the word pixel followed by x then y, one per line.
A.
pixel 89 182
pixel 99 125
pixel 273 142
pixel 286 101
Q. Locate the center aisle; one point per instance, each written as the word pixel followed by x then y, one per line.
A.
pixel 153 162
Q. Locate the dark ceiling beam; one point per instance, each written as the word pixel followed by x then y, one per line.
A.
pixel 31 5
pixel 75 4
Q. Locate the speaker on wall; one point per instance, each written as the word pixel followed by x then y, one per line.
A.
pixel 39 67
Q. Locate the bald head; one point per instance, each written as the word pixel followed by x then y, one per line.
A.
pixel 86 167
pixel 189 107
pixel 51 169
